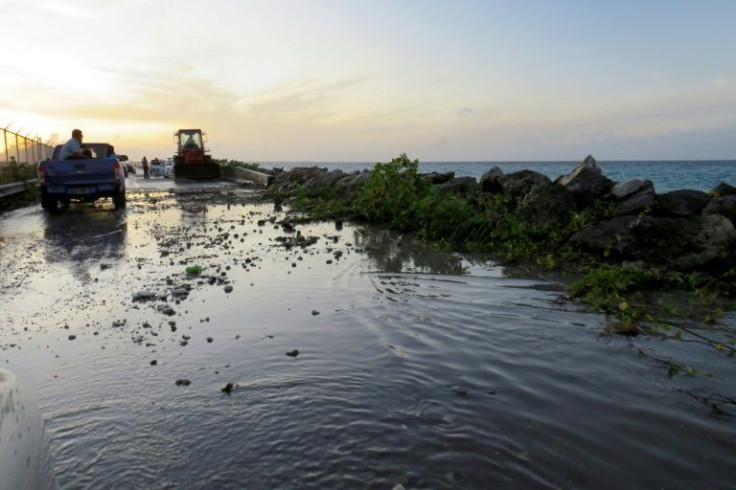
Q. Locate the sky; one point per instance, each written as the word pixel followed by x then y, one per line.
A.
pixel 367 80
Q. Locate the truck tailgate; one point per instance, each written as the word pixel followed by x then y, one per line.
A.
pixel 82 177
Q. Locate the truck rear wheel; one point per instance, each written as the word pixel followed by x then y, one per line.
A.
pixel 119 200
pixel 50 204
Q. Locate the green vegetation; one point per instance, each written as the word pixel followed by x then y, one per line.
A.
pixel 16 172
pixel 193 270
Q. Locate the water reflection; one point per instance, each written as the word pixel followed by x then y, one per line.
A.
pixel 85 236
pixel 394 252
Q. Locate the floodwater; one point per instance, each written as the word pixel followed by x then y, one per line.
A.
pixel 414 367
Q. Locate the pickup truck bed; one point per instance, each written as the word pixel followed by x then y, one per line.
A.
pixel 86 180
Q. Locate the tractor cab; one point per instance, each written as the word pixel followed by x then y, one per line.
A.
pixel 191 160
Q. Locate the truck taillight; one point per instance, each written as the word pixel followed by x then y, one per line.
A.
pixel 117 170
pixel 41 174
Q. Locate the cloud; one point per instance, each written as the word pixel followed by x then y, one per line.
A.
pixel 309 98
pixel 69 9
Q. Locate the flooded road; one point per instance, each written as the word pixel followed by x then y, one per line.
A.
pixel 408 366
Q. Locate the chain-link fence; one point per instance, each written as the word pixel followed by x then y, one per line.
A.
pixel 19 155
pixel 17 148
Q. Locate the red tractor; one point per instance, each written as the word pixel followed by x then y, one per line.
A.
pixel 191 161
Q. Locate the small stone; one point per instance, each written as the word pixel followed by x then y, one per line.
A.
pixel 183 382
pixel 154 362
pixel 293 353
pixel 209 340
pixel 143 295
pixel 166 310
pixel 228 388
pixel 72 337
pixel 460 390
pixel 315 312
pixel 228 289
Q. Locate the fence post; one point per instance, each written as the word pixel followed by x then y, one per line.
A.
pixel 25 146
pixel 5 138
pixel 17 149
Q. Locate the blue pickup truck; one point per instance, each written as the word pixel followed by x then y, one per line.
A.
pixel 86 180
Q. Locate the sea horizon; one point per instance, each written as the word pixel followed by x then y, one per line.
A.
pixel 667 175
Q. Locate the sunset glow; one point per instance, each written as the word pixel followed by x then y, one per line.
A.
pixel 330 80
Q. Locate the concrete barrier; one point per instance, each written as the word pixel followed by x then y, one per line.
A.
pixel 243 176
pixel 25 456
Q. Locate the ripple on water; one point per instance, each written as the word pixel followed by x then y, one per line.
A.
pixel 417 368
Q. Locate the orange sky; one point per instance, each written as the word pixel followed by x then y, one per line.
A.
pixel 334 80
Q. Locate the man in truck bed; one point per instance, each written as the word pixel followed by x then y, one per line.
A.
pixel 72 149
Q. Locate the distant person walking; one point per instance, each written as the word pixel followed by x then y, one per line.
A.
pixel 146 172
pixel 72 149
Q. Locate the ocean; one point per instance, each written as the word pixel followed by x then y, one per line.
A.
pixel 667 175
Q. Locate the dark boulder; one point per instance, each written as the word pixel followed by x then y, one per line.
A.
pixel 725 205
pixel 323 179
pixel 350 184
pixel 459 185
pixel 625 190
pixel 723 189
pixel 438 178
pixel 602 238
pixel 633 196
pixel 693 243
pixel 681 203
pixel 518 184
pixel 587 182
pixel 547 206
pixel 489 180
pixel 295 178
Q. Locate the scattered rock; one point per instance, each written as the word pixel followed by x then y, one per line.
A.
pixel 460 390
pixel 183 382
pixel 154 362
pixel 72 337
pixel 143 295
pixel 293 353
pixel 166 309
pixel 228 388
pixel 228 289
pixel 315 312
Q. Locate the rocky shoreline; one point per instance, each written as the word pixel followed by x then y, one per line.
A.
pixel 649 260
pixel 683 230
